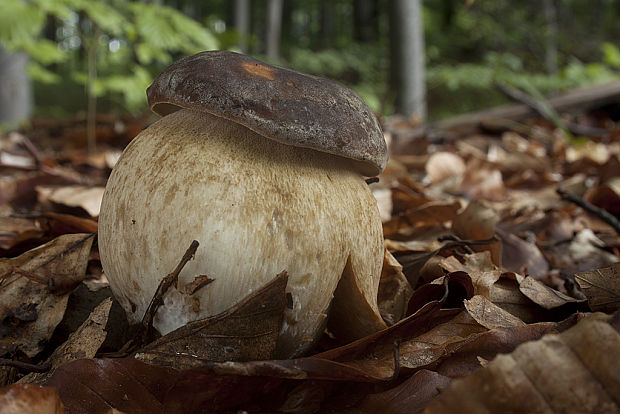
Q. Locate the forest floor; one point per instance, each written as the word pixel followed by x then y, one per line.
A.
pixel 500 286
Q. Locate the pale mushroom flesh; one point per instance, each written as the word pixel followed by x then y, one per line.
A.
pixel 257 207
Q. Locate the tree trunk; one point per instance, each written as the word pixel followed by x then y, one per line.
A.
pixel 242 23
pixel 326 14
pixel 274 23
pixel 407 58
pixel 16 89
pixel 365 20
pixel 551 37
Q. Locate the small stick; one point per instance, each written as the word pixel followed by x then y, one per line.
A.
pixel 165 284
pixel 590 208
pixel 146 326
pixel 25 366
pixel 32 149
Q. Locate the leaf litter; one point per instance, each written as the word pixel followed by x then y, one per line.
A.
pixel 490 277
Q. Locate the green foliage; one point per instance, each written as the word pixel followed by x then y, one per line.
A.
pixel 131 40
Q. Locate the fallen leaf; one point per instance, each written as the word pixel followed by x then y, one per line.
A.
pixel 394 290
pixel 66 223
pixel 444 165
pixel 542 294
pixel 483 182
pixel 375 354
pixel 133 386
pixel 29 399
pixel 34 289
pixel 470 355
pixel 248 331
pixel 426 349
pixel 87 198
pixel 477 222
pixel 100 385
pixel 607 196
pixel 429 214
pixel 521 256
pixel 83 343
pixel 410 397
pixel 587 250
pixel 479 267
pixel 489 315
pixel 575 371
pixel 505 293
pixel 14 231
pixel 602 288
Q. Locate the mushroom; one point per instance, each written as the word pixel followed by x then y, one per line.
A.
pixel 265 167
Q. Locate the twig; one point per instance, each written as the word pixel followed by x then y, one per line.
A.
pixel 544 109
pixel 590 208
pixel 25 366
pixel 146 326
pixel 32 150
pixel 165 284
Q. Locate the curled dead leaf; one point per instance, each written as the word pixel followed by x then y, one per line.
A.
pixel 247 331
pixel 575 371
pixel 34 289
pixel 477 222
pixel 394 290
pixel 542 294
pixel 444 165
pixel 489 315
pixel 87 198
pixel 83 343
pixel 602 287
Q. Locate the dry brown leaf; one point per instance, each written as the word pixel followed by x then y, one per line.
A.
pixel 410 397
pixel 444 165
pixel 248 331
pixel 575 371
pixel 505 293
pixel 87 198
pixel 489 315
pixel 482 182
pixel 470 355
pixel 394 290
pixel 606 196
pixel 29 399
pixel 477 222
pixel 34 289
pixel 542 294
pixel 15 230
pixel 83 343
pixel 602 288
pixel 479 267
pixel 521 256
pixel 429 214
pixel 587 249
pixel 428 348
pixel 65 223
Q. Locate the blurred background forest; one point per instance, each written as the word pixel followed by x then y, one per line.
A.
pixel 59 58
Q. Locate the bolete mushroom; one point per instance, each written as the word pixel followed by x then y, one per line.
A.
pixel 265 167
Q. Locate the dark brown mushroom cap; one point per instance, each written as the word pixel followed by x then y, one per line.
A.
pixel 287 106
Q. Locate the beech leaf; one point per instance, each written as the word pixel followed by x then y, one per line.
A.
pixel 247 331
pixel 575 371
pixel 34 289
pixel 602 287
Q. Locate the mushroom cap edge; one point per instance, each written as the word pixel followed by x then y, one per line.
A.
pixel 281 104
